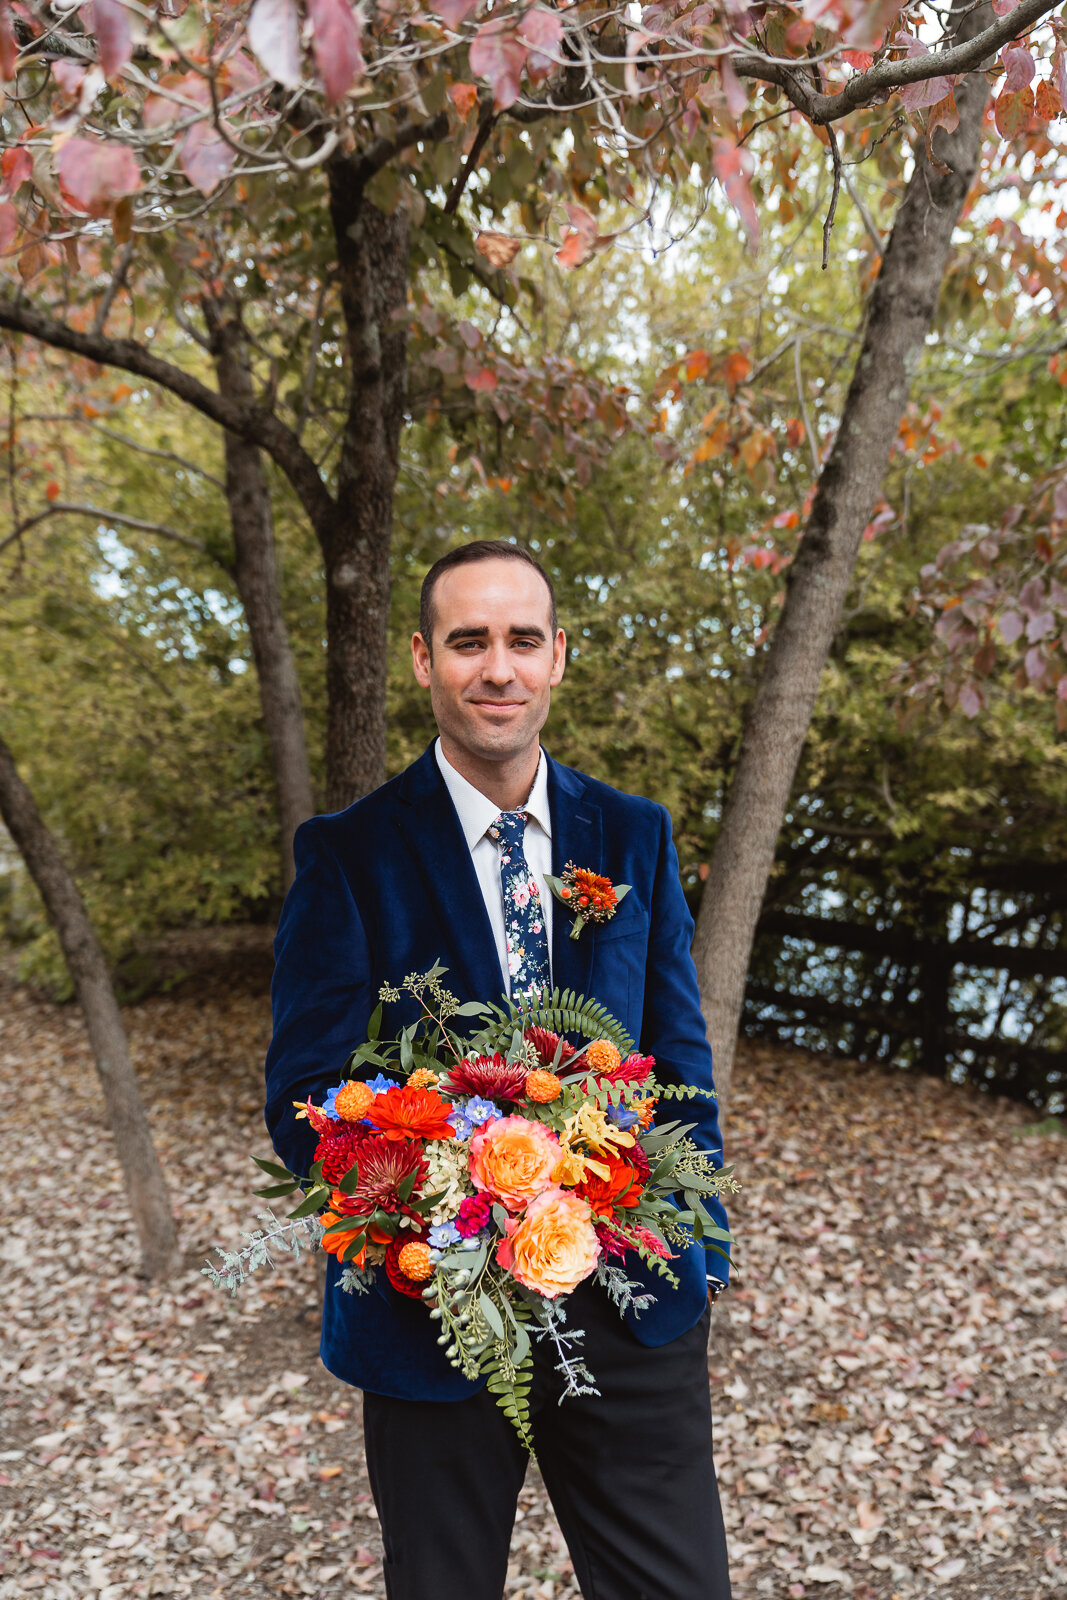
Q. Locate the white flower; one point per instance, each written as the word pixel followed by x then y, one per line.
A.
pixel 449 1175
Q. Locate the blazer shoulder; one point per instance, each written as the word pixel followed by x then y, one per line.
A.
pixel 634 809
pixel 338 830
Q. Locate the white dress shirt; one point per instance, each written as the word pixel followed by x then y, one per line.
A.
pixel 476 812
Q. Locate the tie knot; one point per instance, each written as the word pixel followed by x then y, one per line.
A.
pixel 507 829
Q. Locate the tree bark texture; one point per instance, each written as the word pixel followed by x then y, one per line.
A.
pixel 146 1186
pixel 255 573
pixel 356 538
pixel 899 316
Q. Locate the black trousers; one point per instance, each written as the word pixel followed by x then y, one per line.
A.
pixel 629 1473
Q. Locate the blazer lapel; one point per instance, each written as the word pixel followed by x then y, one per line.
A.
pixel 428 822
pixel 576 837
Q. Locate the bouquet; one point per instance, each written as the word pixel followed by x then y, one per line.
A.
pixel 489 1175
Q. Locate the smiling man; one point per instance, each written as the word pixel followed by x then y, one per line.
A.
pixel 422 870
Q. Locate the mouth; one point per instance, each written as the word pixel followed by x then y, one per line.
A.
pixel 497 705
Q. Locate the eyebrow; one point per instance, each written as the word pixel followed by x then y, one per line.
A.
pixel 533 631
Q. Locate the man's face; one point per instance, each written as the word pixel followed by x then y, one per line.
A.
pixel 495 659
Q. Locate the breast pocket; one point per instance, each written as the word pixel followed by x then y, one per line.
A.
pixel 620 956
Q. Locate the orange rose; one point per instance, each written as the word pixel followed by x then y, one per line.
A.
pixel 512 1159
pixel 554 1246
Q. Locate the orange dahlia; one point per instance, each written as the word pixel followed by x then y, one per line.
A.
pixel 353 1101
pixel 422 1078
pixel 602 1056
pixel 543 1087
pixel 409 1113
pixel 401 1279
pixel 414 1260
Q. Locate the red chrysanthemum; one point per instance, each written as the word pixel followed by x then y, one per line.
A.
pixel 599 892
pixel 338 1148
pixel 638 1159
pixel 545 1042
pixel 488 1076
pixel 395 1272
pixel 383 1166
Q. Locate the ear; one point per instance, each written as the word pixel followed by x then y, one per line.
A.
pixel 559 657
pixel 420 660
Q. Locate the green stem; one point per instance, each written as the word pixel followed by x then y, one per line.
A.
pixel 579 924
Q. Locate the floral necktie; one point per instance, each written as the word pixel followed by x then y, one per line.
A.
pixel 524 923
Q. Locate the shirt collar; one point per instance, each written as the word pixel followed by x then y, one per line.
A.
pixel 476 811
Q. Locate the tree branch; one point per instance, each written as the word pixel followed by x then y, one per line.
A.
pixel 879 81
pixel 378 154
pixel 246 419
pixel 69 508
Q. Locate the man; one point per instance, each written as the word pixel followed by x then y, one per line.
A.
pixel 415 872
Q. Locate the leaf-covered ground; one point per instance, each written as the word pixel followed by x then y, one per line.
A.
pixel 888 1374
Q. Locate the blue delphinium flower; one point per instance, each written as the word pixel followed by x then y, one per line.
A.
pixel 622 1117
pixel 476 1110
pixel 460 1123
pixel 381 1083
pixel 329 1103
pixel 444 1234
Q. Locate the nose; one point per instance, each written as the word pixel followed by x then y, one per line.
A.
pixel 496 666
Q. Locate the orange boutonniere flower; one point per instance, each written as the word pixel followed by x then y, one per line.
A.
pixel 591 897
pixel 409 1113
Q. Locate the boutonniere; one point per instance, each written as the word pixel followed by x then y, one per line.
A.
pixel 589 896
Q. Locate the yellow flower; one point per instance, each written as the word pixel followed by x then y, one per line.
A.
pixel 422 1078
pixel 589 1126
pixel 569 1169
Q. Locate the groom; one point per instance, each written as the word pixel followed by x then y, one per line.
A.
pixel 417 871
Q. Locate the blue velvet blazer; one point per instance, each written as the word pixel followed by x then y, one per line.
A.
pixel 388 887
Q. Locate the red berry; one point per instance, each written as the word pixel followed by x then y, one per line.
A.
pixel 583 899
pixel 565 894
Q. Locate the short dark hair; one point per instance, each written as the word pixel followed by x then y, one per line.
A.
pixel 477 550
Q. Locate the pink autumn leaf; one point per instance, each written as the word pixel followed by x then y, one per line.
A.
pixel 94 175
pixel 1019 69
pixel 1011 626
pixel 498 55
pixel 9 225
pixel 733 168
pixel 9 50
pixel 482 380
pixel 1061 688
pixel 1034 662
pixel 1003 7
pixel 1032 595
pixel 579 240
pixel 455 11
pixel 205 157
pixel 111 23
pixel 1040 625
pixel 971 700
pixel 274 35
pixel 542 31
pixel 336 33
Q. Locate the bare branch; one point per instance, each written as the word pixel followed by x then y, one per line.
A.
pixel 247 419
pixel 68 508
pixel 118 278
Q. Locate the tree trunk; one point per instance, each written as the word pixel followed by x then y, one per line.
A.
pixel 256 576
pixel 146 1187
pixel 372 254
pixel 899 316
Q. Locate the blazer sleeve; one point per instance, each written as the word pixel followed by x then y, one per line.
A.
pixel 673 1028
pixel 320 992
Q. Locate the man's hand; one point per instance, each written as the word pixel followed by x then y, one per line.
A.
pixel 715 1289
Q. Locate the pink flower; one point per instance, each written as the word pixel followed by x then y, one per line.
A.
pixel 474 1213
